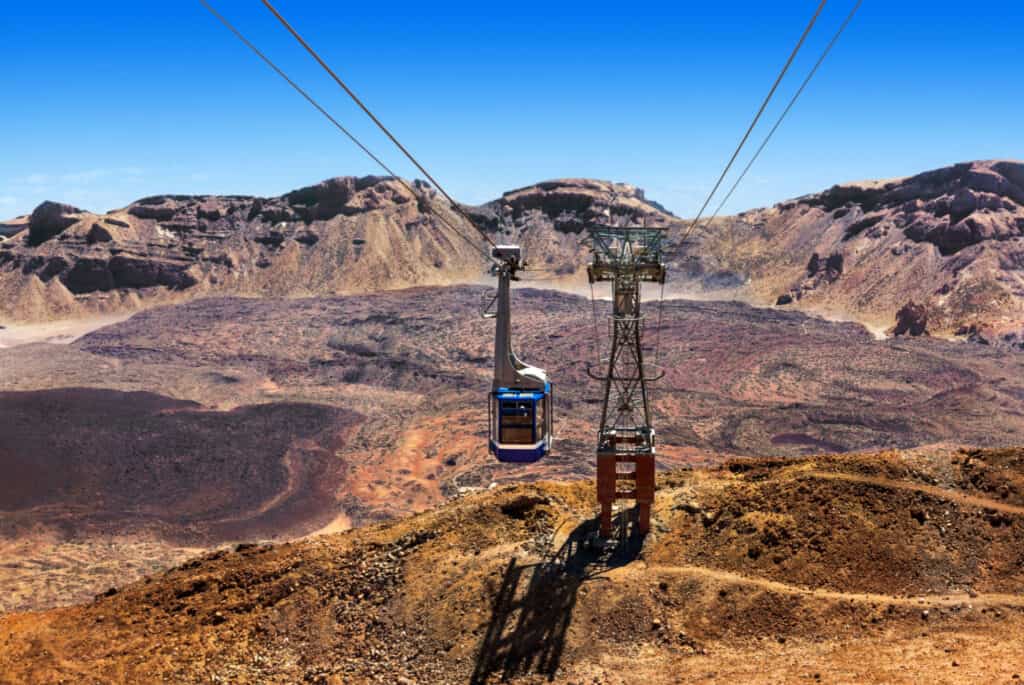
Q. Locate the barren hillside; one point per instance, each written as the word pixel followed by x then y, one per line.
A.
pixel 950 241
pixel 345 235
pixel 891 567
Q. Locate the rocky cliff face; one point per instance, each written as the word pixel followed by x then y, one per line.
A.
pixel 949 240
pixel 345 235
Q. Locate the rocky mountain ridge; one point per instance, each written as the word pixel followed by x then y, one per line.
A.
pixel 941 252
pixel 345 235
pixel 945 247
pixel 342 236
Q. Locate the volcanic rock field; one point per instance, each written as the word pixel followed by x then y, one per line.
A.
pixel 229 419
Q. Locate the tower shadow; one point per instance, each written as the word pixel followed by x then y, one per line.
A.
pixel 533 608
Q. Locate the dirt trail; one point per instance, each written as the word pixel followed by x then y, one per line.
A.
pixel 942 493
pixel 57 332
pixel 983 599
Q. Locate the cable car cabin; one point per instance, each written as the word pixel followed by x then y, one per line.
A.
pixel 520 427
pixel 520 399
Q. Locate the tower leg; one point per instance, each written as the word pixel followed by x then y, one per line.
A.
pixel 643 518
pixel 644 491
pixel 606 519
pixel 606 485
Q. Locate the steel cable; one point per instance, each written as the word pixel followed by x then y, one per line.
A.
pixel 595 348
pixel 782 116
pixel 309 98
pixel 757 117
pixel 657 336
pixel 455 205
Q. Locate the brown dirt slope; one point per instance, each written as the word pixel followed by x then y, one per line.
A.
pixel 888 567
pixel 137 462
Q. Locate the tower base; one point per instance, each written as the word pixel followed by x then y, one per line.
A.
pixel 642 479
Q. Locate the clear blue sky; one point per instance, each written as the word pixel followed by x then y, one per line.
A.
pixel 107 102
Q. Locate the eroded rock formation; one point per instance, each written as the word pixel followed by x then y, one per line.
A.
pixel 951 240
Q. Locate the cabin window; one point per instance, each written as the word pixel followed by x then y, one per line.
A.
pixel 517 422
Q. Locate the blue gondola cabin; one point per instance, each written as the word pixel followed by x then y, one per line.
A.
pixel 520 427
pixel 520 400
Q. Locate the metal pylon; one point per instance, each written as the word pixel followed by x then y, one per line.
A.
pixel 626 256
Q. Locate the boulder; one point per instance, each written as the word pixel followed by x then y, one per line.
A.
pixel 834 265
pixel 973 229
pixel 831 268
pixel 813 263
pixel 307 238
pixel 962 204
pixel 50 219
pixel 210 211
pixel 911 319
pixel 325 200
pixel 149 209
pixel 98 234
pixel 275 214
pixel 51 267
pixel 270 238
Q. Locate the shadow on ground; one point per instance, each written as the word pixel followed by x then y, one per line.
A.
pixel 533 608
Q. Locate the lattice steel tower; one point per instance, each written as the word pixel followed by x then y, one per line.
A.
pixel 626 256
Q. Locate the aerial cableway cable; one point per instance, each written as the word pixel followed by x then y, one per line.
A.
pixel 309 98
pixel 455 205
pixel 782 116
pixel 757 117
